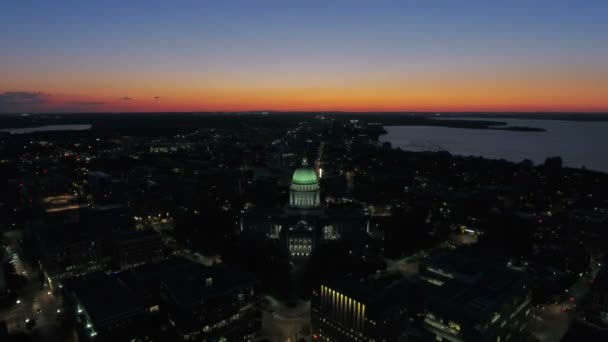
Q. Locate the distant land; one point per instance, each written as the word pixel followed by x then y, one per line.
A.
pixel 175 123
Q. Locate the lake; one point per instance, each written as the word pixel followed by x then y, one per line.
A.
pixel 579 143
pixel 49 128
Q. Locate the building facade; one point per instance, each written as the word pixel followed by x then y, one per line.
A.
pixel 471 300
pixel 370 310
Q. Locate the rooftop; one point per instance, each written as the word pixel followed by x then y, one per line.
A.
pixel 200 282
pixel 476 298
pixel 380 294
pixel 104 298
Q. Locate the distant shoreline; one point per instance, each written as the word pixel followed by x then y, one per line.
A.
pixel 468 120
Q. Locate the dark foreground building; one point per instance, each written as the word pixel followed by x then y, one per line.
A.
pixel 472 300
pixel 192 301
pixel 104 308
pixel 208 304
pixel 454 298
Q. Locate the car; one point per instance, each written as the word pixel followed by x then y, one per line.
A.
pixel 38 311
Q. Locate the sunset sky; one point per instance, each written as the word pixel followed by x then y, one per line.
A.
pixel 375 55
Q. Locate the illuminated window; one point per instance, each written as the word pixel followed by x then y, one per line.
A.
pixel 454 325
pixel 496 317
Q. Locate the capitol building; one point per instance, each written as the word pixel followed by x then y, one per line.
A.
pixel 304 223
pixel 304 192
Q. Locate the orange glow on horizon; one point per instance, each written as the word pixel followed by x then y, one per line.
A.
pixel 549 90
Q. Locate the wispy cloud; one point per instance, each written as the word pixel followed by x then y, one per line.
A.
pixel 22 97
pixel 88 103
pixel 126 98
pixel 22 100
pixel 157 97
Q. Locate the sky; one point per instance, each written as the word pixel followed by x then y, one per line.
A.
pixel 375 55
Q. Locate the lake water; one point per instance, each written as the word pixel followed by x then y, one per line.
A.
pixel 48 128
pixel 579 143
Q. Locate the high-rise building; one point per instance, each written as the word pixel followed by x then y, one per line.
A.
pixel 368 310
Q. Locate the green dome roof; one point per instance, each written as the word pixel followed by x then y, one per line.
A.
pixel 304 176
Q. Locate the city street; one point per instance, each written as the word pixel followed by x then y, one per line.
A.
pixel 283 323
pixel 408 266
pixel 37 310
pixel 551 323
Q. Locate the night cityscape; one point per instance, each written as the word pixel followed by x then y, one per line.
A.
pixel 303 171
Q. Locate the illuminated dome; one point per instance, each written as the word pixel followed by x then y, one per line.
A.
pixel 304 176
pixel 304 189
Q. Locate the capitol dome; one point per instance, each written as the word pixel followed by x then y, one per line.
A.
pixel 304 192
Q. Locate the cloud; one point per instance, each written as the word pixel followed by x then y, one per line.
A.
pixel 88 103
pixel 157 97
pixel 126 98
pixel 22 98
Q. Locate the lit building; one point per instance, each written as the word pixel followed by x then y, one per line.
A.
pixel 62 209
pixel 371 310
pixel 454 298
pixel 90 244
pixel 69 251
pixel 470 300
pixel 305 222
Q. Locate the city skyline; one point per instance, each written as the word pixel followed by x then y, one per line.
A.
pixel 313 56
